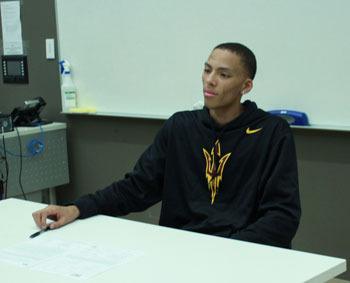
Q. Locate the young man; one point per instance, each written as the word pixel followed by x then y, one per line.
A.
pixel 228 170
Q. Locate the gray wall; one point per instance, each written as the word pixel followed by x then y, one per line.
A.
pixel 103 149
pixel 38 23
pixel 324 168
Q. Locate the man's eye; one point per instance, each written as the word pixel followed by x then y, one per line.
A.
pixel 224 75
pixel 207 71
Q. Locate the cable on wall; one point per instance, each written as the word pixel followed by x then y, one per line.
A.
pixel 4 179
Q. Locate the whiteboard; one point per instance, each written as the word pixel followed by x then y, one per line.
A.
pixel 144 58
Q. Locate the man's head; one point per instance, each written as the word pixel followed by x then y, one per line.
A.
pixel 247 56
pixel 228 74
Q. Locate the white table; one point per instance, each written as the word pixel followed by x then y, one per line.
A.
pixel 170 255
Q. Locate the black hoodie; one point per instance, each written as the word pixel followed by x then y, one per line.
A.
pixel 239 181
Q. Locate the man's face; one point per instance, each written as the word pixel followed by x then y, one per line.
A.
pixel 224 80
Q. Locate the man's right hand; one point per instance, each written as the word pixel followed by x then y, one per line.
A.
pixel 61 215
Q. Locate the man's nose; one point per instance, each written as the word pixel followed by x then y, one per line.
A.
pixel 210 79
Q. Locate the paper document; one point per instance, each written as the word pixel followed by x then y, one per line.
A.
pixel 74 259
pixel 11 27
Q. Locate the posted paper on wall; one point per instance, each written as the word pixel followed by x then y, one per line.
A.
pixel 11 28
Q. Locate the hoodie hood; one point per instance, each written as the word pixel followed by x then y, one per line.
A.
pixel 250 116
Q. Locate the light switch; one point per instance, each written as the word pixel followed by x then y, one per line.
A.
pixel 50 48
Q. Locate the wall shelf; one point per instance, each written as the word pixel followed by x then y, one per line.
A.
pixel 163 117
pixel 324 128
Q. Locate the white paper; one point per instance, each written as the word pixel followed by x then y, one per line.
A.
pixel 11 28
pixel 73 259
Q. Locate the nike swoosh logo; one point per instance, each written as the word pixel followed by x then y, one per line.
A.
pixel 249 131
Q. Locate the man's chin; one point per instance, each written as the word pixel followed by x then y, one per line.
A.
pixel 209 104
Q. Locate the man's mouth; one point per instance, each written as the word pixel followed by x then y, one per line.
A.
pixel 208 93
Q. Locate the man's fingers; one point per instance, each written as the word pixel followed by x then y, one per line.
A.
pixel 38 218
pixel 60 214
pixel 57 224
pixel 41 216
pixel 41 219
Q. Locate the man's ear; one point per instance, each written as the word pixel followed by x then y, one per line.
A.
pixel 247 86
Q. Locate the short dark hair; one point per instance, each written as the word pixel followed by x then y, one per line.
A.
pixel 247 56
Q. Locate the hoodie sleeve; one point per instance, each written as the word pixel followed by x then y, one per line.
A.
pixel 139 189
pixel 278 211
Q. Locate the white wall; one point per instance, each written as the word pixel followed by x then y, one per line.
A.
pixel 145 57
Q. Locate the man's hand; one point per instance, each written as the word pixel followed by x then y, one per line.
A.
pixel 61 215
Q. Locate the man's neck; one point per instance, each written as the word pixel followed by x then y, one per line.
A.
pixel 225 116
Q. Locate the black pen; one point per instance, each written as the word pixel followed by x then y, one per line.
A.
pixel 39 232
